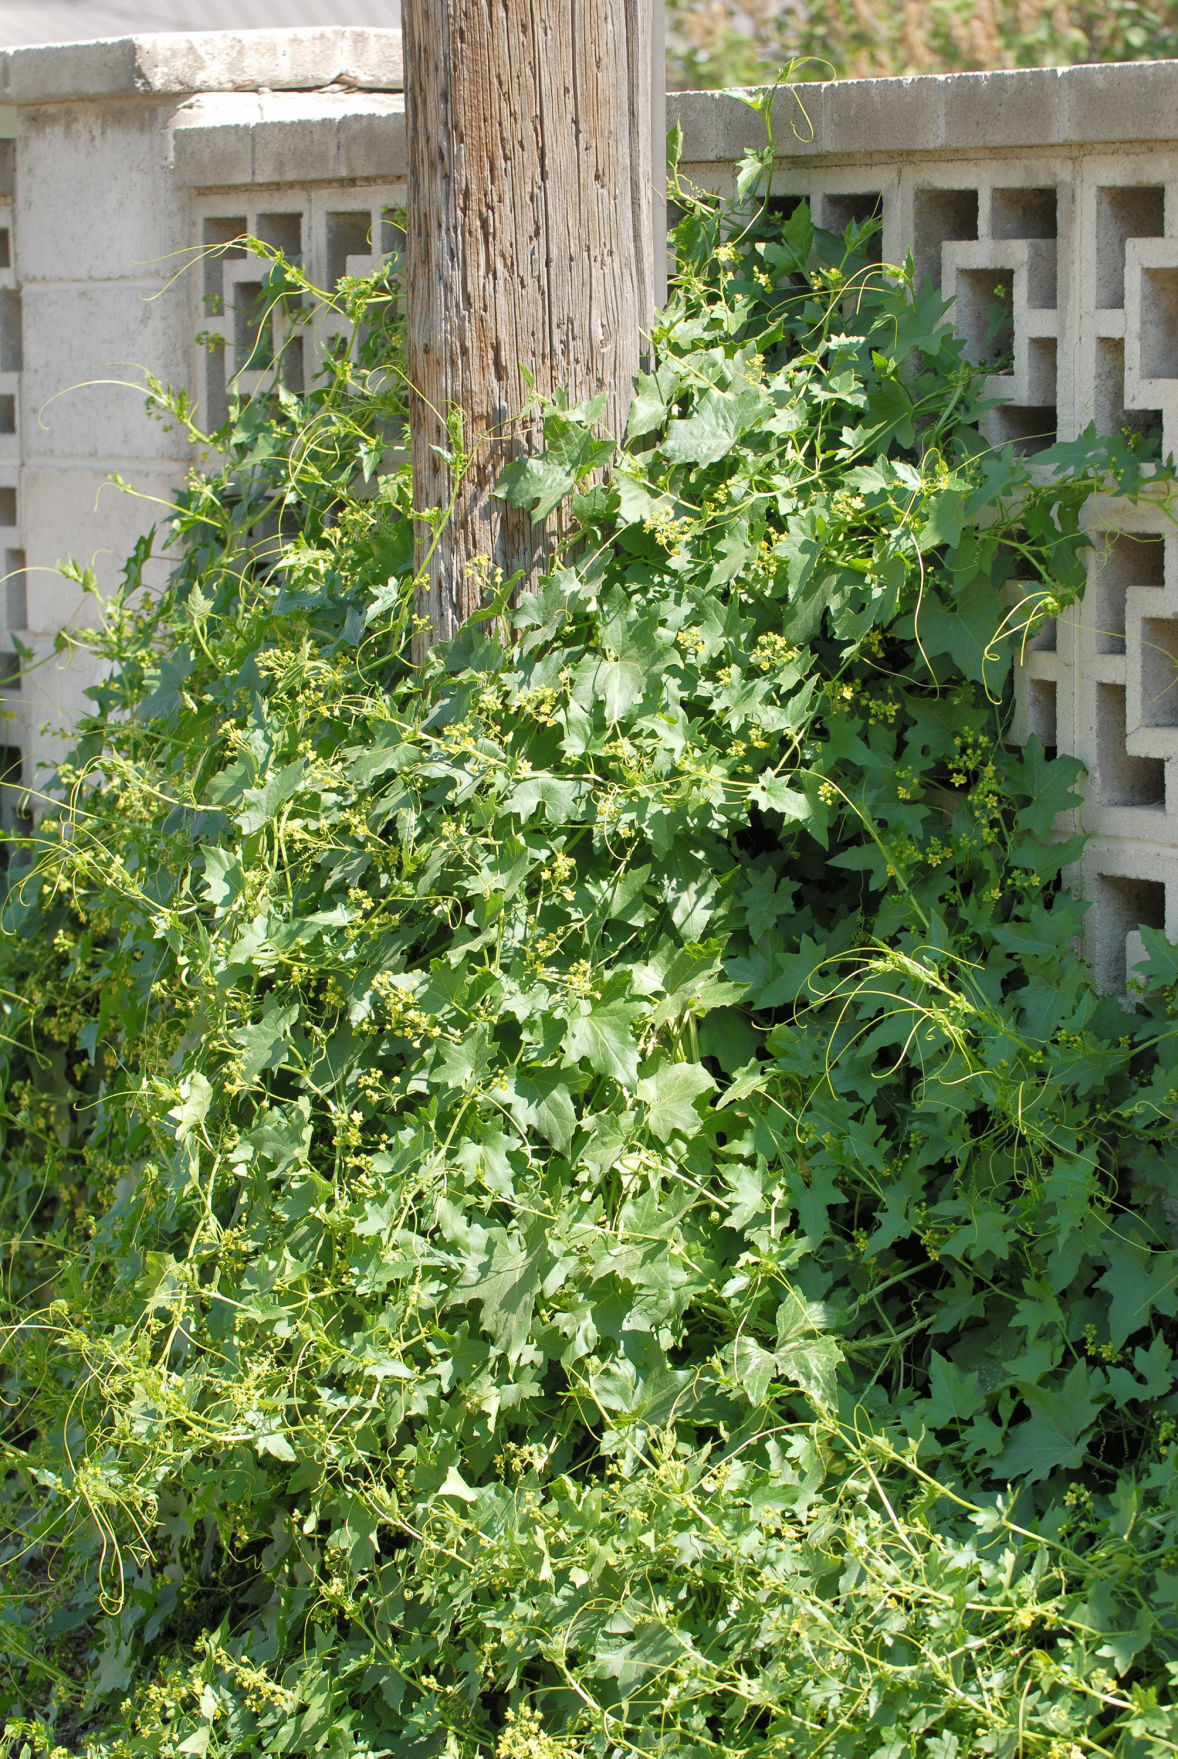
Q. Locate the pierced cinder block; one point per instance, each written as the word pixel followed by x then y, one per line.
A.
pixel 249 338
pixel 1151 330
pixel 349 236
pixel 1004 292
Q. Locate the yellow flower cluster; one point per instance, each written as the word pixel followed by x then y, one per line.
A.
pixel 399 1010
pixel 541 702
pixel 666 529
pixel 774 650
pixel 523 1737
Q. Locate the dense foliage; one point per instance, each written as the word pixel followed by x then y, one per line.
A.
pixel 577 1199
pixel 739 42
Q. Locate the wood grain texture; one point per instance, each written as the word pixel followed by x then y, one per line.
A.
pixel 531 241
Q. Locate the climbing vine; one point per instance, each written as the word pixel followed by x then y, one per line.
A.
pixel 577 1198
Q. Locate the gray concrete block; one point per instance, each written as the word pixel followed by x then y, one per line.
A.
pixel 295 138
pixel 883 115
pixel 738 127
pixel 67 71
pixel 283 60
pixel 372 139
pixel 176 62
pixel 695 112
pixel 75 510
pixel 798 118
pixel 1126 103
pixel 295 150
pixel 212 141
pixel 85 346
pixel 94 196
pixel 995 110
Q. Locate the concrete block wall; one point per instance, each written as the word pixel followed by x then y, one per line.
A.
pixel 132 157
pixel 1053 193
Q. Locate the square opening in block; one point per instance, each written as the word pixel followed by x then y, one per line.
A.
pixel 843 210
pixel 11 341
pixel 284 232
pixel 1025 213
pixel 984 315
pixel 1044 639
pixel 1109 410
pixel 8 507
pixel 16 590
pixel 1042 374
pixel 392 223
pixel 349 234
pixel 253 341
pixel 7 414
pixel 1123 780
pixel 940 216
pixel 294 375
pixel 1134 211
pixel 1122 906
pixel 1029 428
pixel 1159 323
pixel 1119 560
pixel 218 233
pixel 1159 671
pixel 1042 714
pixel 16 820
pixel 216 405
pixel 5 248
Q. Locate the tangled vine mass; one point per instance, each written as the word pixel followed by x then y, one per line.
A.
pixel 577 1198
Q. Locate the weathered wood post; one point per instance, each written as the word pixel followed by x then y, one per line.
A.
pixel 531 243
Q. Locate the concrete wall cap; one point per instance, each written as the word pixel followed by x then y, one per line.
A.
pixel 226 138
pixel 1005 110
pixel 178 62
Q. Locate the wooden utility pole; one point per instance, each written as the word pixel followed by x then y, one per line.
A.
pixel 531 243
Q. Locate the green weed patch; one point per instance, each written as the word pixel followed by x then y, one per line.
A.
pixel 578 1199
